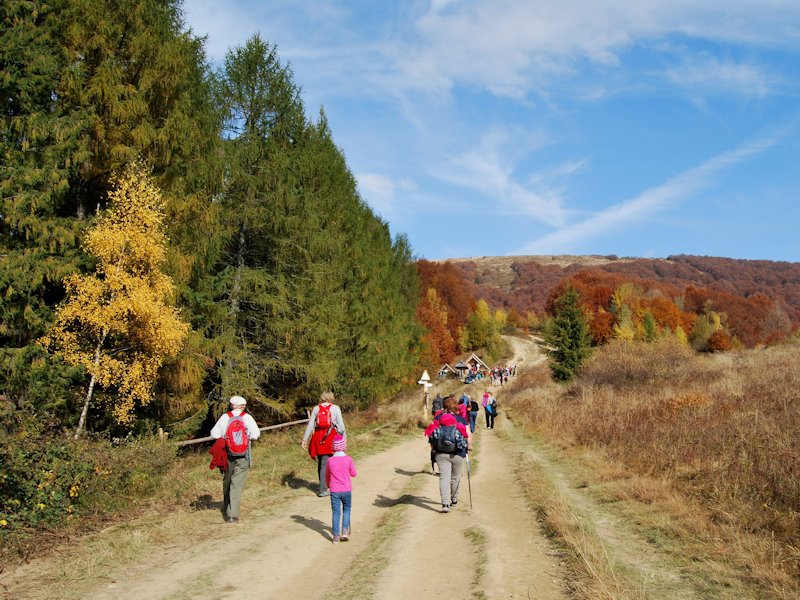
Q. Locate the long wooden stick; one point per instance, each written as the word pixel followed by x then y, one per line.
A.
pixel 208 439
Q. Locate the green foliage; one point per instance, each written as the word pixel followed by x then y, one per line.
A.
pixel 44 382
pixel 482 328
pixel 568 335
pixel 86 86
pixel 649 327
pixel 317 294
pixel 295 285
pixel 48 479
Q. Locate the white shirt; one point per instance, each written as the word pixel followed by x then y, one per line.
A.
pixel 253 432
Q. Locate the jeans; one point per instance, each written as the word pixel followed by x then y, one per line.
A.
pixel 489 419
pixel 473 417
pixel 340 505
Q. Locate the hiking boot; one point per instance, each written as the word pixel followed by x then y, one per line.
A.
pixel 335 539
pixel 445 508
pixel 232 520
pixel 323 494
pixel 345 535
pixel 453 502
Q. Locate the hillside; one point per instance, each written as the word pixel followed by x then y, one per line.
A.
pixel 524 282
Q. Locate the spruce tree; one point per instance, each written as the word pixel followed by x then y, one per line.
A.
pixel 86 86
pixel 319 294
pixel 568 336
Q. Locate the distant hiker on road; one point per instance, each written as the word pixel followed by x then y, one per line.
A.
pixel 235 428
pixel 485 405
pixel 324 423
pixel 491 411
pixel 474 409
pixel 436 406
pixel 339 470
pixel 449 437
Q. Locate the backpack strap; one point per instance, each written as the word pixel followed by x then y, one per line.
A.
pixel 327 433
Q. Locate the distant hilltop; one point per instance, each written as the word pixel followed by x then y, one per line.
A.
pixel 524 282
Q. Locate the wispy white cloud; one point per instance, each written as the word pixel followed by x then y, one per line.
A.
pixel 644 206
pixel 381 192
pixel 488 169
pixel 378 191
pixel 510 47
pixel 709 74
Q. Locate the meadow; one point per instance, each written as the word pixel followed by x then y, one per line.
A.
pixel 700 450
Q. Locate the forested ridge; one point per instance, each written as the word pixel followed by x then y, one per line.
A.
pixel 754 302
pixel 289 283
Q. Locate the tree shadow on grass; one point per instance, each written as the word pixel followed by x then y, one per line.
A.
pixel 293 481
pixel 418 501
pixel 315 525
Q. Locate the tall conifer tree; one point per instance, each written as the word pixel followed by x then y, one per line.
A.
pixel 86 85
pixel 569 336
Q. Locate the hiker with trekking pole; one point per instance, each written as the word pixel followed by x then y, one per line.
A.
pixel 450 440
pixel 324 423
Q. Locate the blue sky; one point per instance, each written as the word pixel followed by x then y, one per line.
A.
pixel 486 128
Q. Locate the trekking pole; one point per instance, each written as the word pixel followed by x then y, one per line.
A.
pixel 469 483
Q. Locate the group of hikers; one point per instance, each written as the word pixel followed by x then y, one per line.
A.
pixel 324 438
pixel 469 409
pixel 500 375
pixel 449 435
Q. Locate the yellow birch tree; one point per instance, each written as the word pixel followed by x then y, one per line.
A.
pixel 117 322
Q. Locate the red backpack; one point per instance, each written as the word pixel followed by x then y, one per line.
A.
pixel 236 439
pixel 324 417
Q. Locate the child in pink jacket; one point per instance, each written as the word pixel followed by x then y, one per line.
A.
pixel 339 470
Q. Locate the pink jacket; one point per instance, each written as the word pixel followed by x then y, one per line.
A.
pixel 339 471
pixel 446 419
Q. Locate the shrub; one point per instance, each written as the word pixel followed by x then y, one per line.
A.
pixel 622 364
pixel 48 479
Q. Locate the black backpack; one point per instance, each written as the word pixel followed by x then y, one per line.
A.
pixel 448 439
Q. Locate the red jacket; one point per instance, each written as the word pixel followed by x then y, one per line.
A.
pixel 219 455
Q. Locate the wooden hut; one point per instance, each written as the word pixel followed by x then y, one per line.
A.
pixel 446 371
pixel 462 368
pixel 475 362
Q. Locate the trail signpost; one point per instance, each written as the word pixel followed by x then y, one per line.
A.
pixel 425 382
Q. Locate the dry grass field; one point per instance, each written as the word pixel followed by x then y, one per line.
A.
pixel 701 451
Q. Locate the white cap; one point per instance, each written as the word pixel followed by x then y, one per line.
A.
pixel 238 401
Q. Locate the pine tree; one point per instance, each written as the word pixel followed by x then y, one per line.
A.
pixel 318 293
pixel 87 85
pixel 568 335
pixel 117 323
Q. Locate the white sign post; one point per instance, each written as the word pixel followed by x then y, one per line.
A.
pixel 425 382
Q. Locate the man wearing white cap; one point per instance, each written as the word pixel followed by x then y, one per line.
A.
pixel 238 428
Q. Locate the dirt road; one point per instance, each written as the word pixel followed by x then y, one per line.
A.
pixel 402 545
